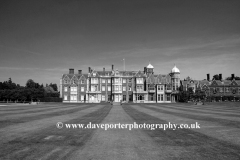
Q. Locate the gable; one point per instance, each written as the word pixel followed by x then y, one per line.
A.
pixel 94 74
pixel 139 74
pixel 74 80
pixel 205 87
pixel 66 77
pixel 82 78
pixel 233 83
pixel 214 83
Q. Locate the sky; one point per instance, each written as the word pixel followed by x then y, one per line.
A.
pixel 42 39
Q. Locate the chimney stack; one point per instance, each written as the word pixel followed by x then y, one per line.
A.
pixel 112 67
pixel 233 76
pixel 89 69
pixel 145 70
pixel 71 71
pixel 208 77
pixel 79 71
pixel 220 77
pixel 103 69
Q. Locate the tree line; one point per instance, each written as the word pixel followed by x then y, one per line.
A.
pixel 32 91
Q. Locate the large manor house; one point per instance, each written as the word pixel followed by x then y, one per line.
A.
pixel 138 86
pixel 120 86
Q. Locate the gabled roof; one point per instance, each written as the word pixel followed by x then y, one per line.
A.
pixel 238 82
pixel 233 83
pixel 74 77
pixel 151 79
pixel 83 76
pixel 140 74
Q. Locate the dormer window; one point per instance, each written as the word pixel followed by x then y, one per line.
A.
pixel 65 81
pixel 82 81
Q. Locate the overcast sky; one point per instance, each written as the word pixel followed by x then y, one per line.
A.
pixel 42 39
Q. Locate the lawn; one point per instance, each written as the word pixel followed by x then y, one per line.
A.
pixel 30 132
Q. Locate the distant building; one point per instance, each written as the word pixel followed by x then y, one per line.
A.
pixel 127 86
pixel 216 90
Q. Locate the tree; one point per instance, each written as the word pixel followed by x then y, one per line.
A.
pixel 54 86
pixel 30 84
pixel 216 77
pixel 230 78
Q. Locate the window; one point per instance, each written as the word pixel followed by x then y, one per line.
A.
pixel 151 97
pixel 168 97
pixel 65 89
pixel 140 88
pixel 124 98
pixel 109 88
pixel 103 88
pixel 94 88
pixel 75 81
pixel 130 80
pixel 65 97
pixel 168 87
pixel 65 81
pixel 227 89
pixel 124 88
pixel 160 97
pixel 94 80
pixel 82 97
pixel 220 90
pixel 103 97
pixel 73 98
pixel 129 88
pixel 109 80
pixel 124 80
pixel 160 87
pixel 82 89
pixel 116 80
pixel 140 97
pixel 116 88
pixel 73 89
pixel 103 81
pixel 139 80
pixel 173 87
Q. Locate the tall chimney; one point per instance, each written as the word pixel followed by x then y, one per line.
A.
pixel 220 77
pixel 79 71
pixel 145 70
pixel 208 77
pixel 103 69
pixel 71 71
pixel 112 67
pixel 233 76
pixel 89 69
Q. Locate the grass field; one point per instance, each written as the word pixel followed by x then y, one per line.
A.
pixel 30 132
